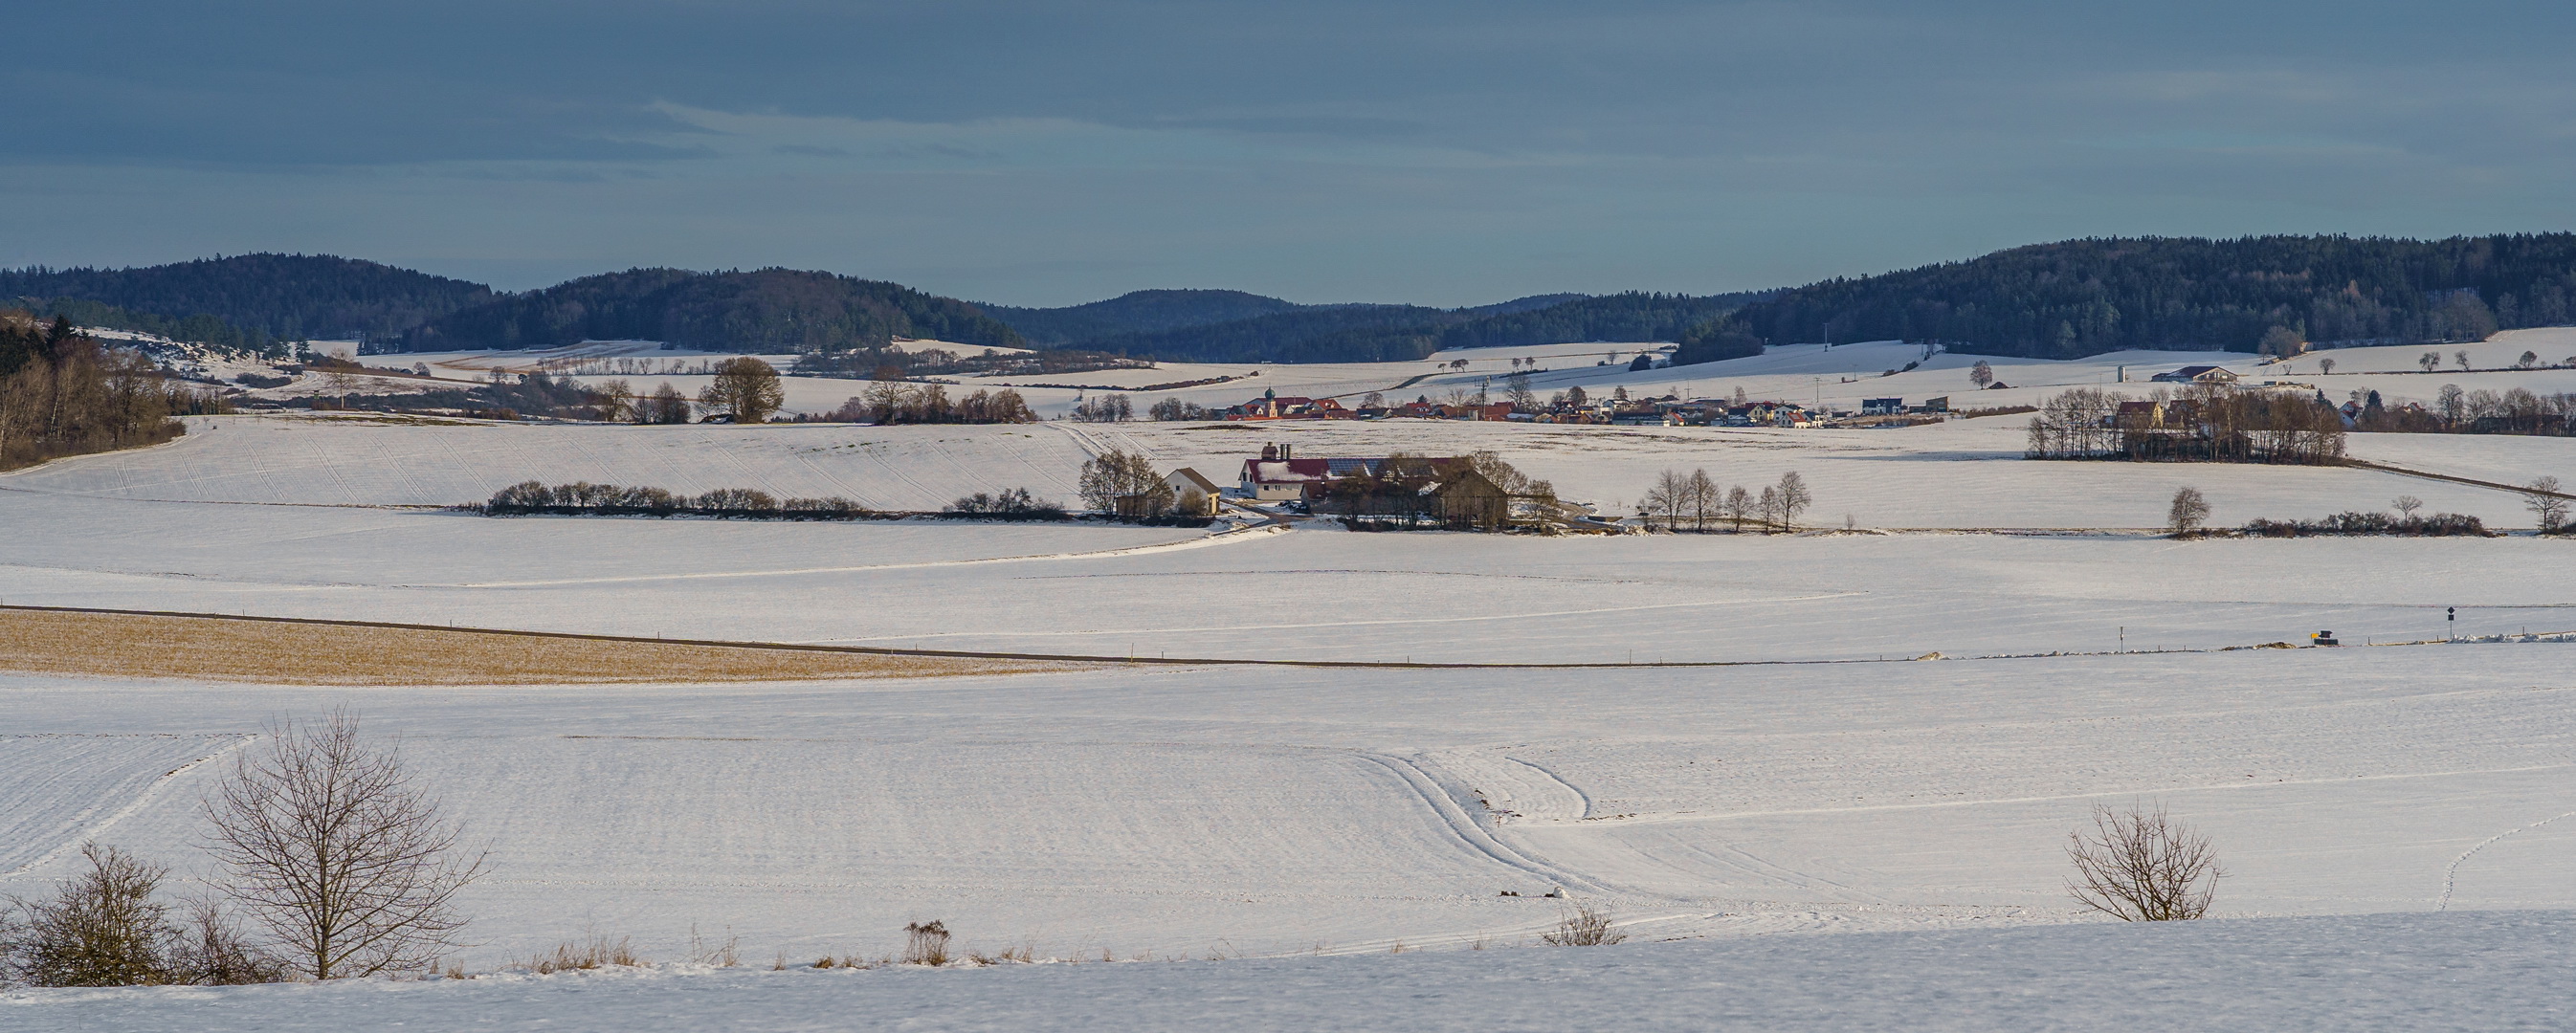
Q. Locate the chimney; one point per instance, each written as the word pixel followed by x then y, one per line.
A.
pixel 1270 451
pixel 1287 451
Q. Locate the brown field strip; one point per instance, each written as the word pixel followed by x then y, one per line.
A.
pixel 280 652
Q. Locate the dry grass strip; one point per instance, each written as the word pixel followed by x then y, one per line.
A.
pixel 220 649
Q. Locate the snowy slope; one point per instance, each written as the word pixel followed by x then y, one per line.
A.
pixel 1960 474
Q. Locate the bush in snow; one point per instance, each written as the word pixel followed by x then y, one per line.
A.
pixel 2142 866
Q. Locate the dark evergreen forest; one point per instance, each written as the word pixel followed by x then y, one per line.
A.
pixel 244 301
pixel 2085 297
pixel 1133 312
pixel 767 310
pixel 1389 333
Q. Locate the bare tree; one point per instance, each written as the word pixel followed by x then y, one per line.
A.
pixel 1669 498
pixel 745 387
pixel 329 844
pixel 1981 374
pixel 1739 505
pixel 2462 357
pixel 1587 926
pixel 103 927
pixel 2546 504
pixel 1705 499
pixel 2528 360
pixel 2325 365
pixel 1794 497
pixel 2406 505
pixel 2188 512
pixel 1769 507
pixel 2142 866
pixel 2430 361
pixel 1122 483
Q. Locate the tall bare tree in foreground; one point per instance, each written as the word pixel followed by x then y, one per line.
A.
pixel 331 847
pixel 2142 866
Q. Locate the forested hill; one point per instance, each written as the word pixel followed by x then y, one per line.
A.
pixel 244 300
pixel 2085 297
pixel 767 310
pixel 1135 312
pixel 1387 333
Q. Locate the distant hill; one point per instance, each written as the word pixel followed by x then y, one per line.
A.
pixel 2085 297
pixel 1389 333
pixel 1135 312
pixel 245 300
pixel 766 310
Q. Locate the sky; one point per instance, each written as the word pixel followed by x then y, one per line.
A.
pixel 1433 153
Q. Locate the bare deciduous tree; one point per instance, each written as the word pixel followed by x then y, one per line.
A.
pixel 1123 483
pixel 1739 506
pixel 330 846
pixel 2188 512
pixel 1794 497
pixel 2406 505
pixel 746 388
pixel 1981 374
pixel 2545 504
pixel 2142 866
pixel 1668 499
pixel 1705 499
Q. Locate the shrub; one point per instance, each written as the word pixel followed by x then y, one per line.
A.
pixel 102 928
pixel 737 502
pixel 925 943
pixel 2141 866
pixel 834 508
pixel 1009 504
pixel 598 952
pixel 1587 926
pixel 2438 525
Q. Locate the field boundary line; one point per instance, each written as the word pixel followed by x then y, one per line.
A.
pixel 1132 661
pixel 2454 478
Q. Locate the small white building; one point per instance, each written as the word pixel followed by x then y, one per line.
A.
pixel 1192 494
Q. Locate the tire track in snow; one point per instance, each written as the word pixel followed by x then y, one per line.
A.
pixel 1470 829
pixel 1219 538
pixel 2451 872
pixel 132 807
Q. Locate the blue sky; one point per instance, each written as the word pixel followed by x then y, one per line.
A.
pixel 1447 154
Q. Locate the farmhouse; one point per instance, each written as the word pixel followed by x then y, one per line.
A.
pixel 1272 406
pixel 1280 476
pixel 2197 375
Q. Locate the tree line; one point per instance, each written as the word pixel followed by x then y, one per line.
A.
pixel 2085 297
pixel 62 394
pixel 1400 333
pixel 2203 424
pixel 1693 499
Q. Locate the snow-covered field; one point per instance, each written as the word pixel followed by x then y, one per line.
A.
pixel 1276 810
pixel 2487 971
